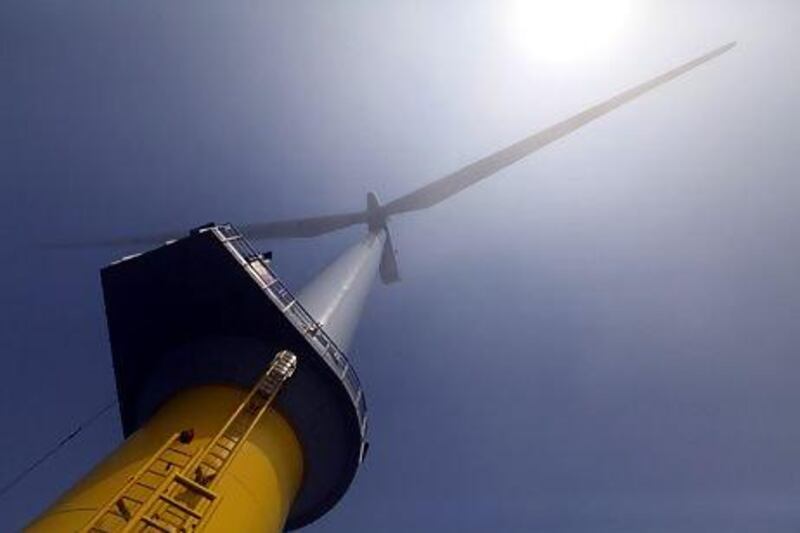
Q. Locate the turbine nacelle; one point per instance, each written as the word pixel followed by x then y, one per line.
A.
pixel 376 214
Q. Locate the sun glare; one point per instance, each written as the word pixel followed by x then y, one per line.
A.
pixel 568 30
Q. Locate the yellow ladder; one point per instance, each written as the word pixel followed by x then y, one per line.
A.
pixel 172 492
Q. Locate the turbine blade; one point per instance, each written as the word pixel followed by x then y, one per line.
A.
pixel 137 240
pixel 390 273
pixel 302 227
pixel 283 229
pixel 459 180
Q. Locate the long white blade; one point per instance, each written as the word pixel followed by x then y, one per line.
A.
pixel 459 180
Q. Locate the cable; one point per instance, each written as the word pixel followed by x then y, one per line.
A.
pixel 52 451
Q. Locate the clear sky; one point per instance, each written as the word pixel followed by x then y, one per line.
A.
pixel 602 338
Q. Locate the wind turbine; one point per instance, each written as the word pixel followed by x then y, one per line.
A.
pixel 203 311
pixel 336 296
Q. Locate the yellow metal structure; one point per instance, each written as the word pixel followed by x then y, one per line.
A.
pixel 194 467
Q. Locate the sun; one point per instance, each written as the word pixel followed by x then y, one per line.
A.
pixel 567 30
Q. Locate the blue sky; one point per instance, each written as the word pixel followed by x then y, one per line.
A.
pixel 601 338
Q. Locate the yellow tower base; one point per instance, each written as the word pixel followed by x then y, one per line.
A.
pixel 256 491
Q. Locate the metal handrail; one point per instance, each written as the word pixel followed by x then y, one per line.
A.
pixel 325 346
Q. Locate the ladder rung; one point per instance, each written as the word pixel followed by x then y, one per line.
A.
pixel 169 461
pixel 178 505
pixel 213 467
pixel 233 442
pixel 219 444
pixel 164 511
pixel 159 525
pixel 171 518
pixel 222 458
pixel 235 434
pixel 224 449
pixel 181 452
pixel 196 487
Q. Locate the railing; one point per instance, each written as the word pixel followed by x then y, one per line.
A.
pixel 262 273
